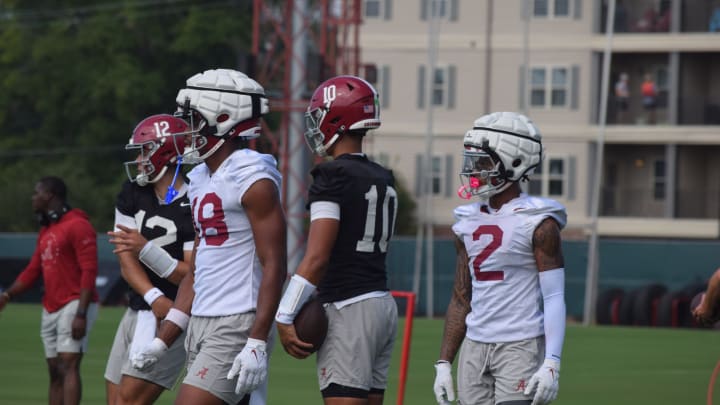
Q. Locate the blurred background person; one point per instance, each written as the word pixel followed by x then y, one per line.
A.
pixel 622 98
pixel 649 92
pixel 66 258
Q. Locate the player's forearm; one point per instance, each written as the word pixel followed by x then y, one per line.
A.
pixel 268 300
pixel 712 294
pixel 455 329
pixel 84 301
pixel 133 273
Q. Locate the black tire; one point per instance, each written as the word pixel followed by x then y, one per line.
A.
pixel 626 315
pixel 607 306
pixel 673 309
pixel 645 305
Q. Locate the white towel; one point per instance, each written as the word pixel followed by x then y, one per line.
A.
pixel 145 326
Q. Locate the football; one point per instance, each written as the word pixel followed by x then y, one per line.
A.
pixel 311 323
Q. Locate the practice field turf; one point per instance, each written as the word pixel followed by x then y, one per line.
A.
pixel 601 365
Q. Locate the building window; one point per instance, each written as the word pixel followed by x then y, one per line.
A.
pixel 549 179
pixel 373 8
pixel 439 8
pixel 439 86
pixel 549 87
pixel 553 8
pixel 659 180
pixel 437 175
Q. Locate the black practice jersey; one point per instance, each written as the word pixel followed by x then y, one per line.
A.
pixel 168 226
pixel 368 207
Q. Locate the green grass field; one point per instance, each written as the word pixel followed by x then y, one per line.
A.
pixel 601 365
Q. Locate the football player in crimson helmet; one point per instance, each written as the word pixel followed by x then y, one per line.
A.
pixel 153 239
pixel 338 106
pixel 159 142
pixel 509 260
pixel 220 104
pixel 228 300
pixel 353 205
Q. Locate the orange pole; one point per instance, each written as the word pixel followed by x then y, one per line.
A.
pixel 407 335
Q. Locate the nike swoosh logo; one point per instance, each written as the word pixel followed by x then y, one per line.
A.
pixel 184 204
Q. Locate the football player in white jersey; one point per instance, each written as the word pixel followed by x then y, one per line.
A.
pixel 507 311
pixel 153 240
pixel 228 301
pixel 353 205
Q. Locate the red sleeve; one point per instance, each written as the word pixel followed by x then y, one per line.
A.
pixel 33 270
pixel 84 241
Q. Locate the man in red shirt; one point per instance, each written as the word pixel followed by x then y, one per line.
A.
pixel 66 258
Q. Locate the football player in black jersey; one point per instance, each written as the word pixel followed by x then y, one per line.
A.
pixel 153 240
pixel 353 206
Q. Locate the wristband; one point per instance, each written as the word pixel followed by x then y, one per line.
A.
pixel 178 317
pixel 81 313
pixel 157 259
pixel 296 295
pixel 152 295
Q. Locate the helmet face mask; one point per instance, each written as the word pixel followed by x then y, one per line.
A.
pixel 340 105
pixel 481 175
pixel 159 140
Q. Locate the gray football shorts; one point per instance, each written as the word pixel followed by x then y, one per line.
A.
pixel 56 329
pixel 164 373
pixel 359 344
pixel 490 373
pixel 212 344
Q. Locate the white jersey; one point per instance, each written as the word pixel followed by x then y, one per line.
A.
pixel 506 297
pixel 227 269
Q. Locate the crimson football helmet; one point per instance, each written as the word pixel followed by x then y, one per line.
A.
pixel 501 148
pixel 340 105
pixel 159 140
pixel 220 104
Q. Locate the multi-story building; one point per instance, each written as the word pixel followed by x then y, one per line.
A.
pixel 661 166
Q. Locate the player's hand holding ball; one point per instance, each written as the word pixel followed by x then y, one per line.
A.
pixel 250 366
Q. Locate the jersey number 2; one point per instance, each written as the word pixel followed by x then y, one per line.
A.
pixel 367 244
pixel 497 234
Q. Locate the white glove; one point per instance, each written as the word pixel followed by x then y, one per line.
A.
pixel 546 380
pixel 250 366
pixel 146 358
pixel 443 386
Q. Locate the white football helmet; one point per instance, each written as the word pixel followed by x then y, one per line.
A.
pixel 501 148
pixel 220 104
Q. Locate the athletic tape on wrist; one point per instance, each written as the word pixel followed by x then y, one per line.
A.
pixel 158 260
pixel 152 295
pixel 296 295
pixel 178 317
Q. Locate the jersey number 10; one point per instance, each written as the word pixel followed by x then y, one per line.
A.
pixel 383 214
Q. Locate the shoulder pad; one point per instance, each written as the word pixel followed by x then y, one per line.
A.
pixel 532 205
pixel 466 210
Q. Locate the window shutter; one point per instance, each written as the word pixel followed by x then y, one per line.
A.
pixel 424 10
pixel 577 12
pixel 521 90
pixel 574 86
pixel 418 175
pixel 388 9
pixel 571 179
pixel 385 96
pixel 451 86
pixel 453 10
pixel 421 87
pixel 448 175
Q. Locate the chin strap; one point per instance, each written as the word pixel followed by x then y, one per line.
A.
pixel 172 192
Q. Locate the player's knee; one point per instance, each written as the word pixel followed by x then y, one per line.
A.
pixel 336 390
pixel 516 402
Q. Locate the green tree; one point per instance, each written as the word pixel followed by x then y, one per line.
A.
pixel 75 78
